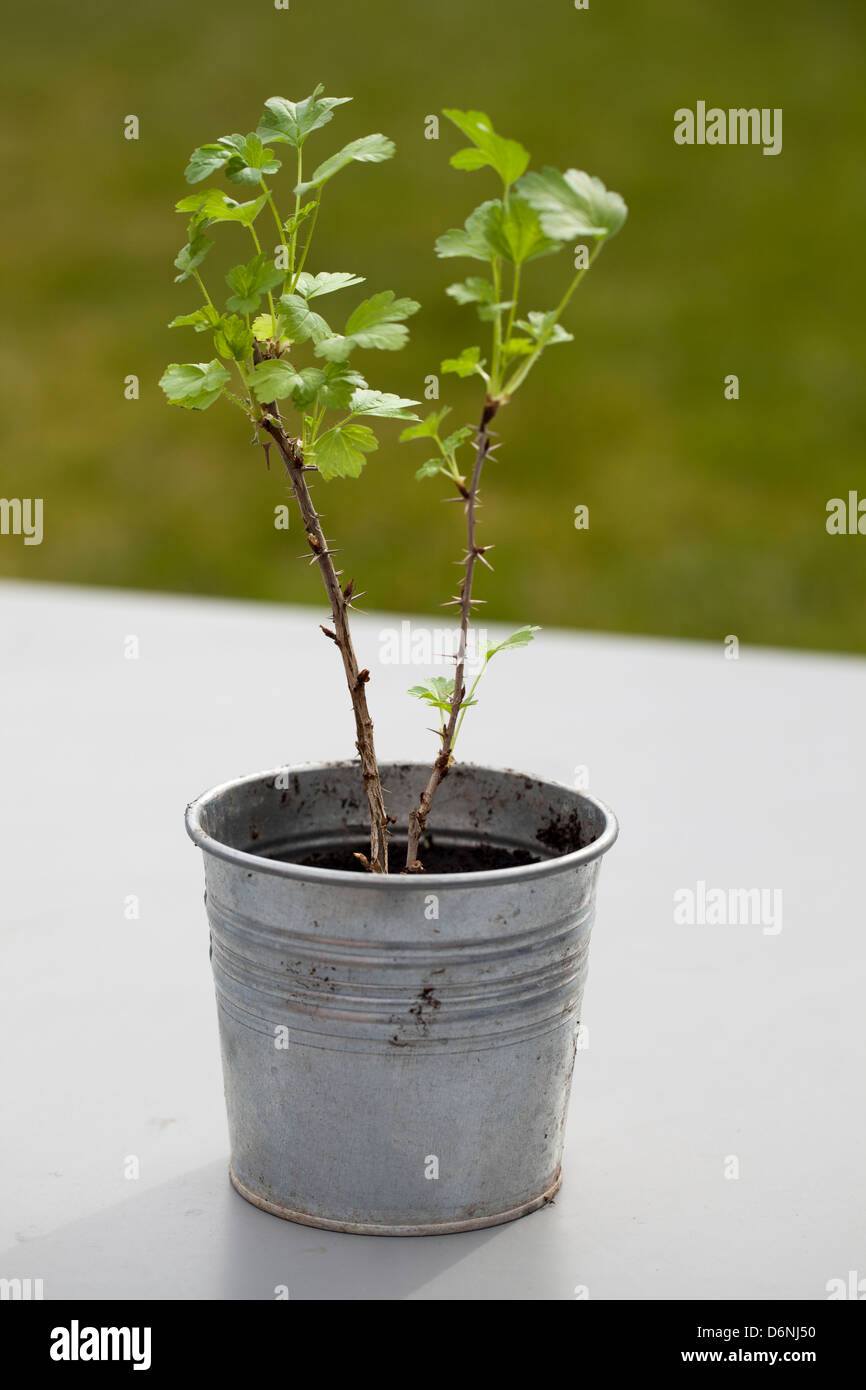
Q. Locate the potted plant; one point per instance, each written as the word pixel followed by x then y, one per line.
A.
pixel 398 1023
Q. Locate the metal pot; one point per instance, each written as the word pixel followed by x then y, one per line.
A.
pixel 397 1051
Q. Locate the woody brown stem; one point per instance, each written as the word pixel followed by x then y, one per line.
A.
pixel 291 451
pixel 444 759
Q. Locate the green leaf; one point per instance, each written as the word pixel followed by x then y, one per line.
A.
pixel 537 324
pixel 292 121
pixel 272 380
pixel 426 429
pixel 475 290
pixel 251 159
pixel 310 382
pixel 194 385
pixel 515 232
pixel 469 362
pixel 326 282
pixel 370 149
pixel 214 206
pixel 438 692
pixel 233 339
pixel 206 160
pixel 381 308
pixel 366 402
pixel 340 452
pixel 507 157
pixel 573 204
pixel 263 328
pixel 193 253
pixel 473 239
pixel 521 638
pixel 339 385
pixel 336 348
pixel 452 442
pixel 430 469
pixel 518 347
pixel 201 319
pixel 250 282
pixel 292 223
pixel 299 321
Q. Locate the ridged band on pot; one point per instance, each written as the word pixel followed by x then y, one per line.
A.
pixel 397 1051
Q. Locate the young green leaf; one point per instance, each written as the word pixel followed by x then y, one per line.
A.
pixel 272 380
pixel 370 149
pixel 475 290
pixel 383 308
pixel 339 385
pixel 469 362
pixel 452 442
pixel 473 239
pixel 521 638
pixel 515 232
pixel 250 160
pixel 206 160
pixel 233 339
pixel 311 381
pixel 426 429
pixel 430 469
pixel 507 157
pixel 201 319
pixel 382 403
pixel 299 321
pixel 194 385
pixel 250 282
pixel 193 253
pixel 263 328
pixel 518 347
pixel 292 223
pixel 326 282
pixel 214 206
pixel 340 452
pixel 293 121
pixel 573 204
pixel 438 692
pixel 537 324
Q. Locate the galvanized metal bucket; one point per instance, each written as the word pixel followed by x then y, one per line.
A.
pixel 397 1051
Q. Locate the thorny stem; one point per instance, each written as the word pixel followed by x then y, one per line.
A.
pixel 291 451
pixel 418 816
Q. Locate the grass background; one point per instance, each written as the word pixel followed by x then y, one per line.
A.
pixel 707 516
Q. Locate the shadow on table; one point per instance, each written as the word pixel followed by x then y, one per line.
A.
pixel 195 1238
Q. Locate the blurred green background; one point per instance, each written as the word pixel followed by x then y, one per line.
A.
pixel 707 516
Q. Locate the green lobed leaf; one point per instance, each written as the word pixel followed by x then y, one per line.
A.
pixel 272 380
pixel 263 328
pixel 381 308
pixel 214 206
pixel 469 362
pixel 311 380
pixel 474 290
pixel 250 282
pixel 300 322
pixel 473 239
pixel 438 692
pixel 382 403
pixel 521 638
pixel 233 339
pixel 515 232
pixel 537 324
pixel 292 121
pixel 430 469
pixel 201 319
pixel 507 157
pixel 193 253
pixel 452 442
pixel 326 282
pixel 573 204
pixel 340 384
pixel 428 428
pixel 194 385
pixel 370 149
pixel 340 452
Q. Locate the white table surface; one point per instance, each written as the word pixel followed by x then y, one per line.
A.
pixel 704 1041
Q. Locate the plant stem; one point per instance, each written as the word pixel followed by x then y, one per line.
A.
pixel 291 451
pixel 528 363
pixel 442 765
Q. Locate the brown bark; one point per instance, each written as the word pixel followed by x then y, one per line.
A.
pixel 474 553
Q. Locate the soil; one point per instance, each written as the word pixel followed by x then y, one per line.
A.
pixel 437 859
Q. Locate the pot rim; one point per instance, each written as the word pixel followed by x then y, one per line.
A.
pixel 393 882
